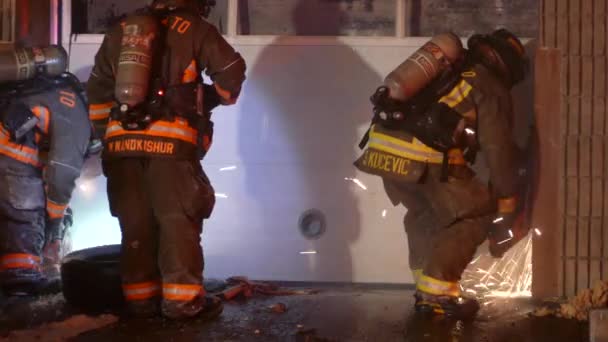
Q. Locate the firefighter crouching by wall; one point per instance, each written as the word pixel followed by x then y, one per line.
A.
pixel 147 99
pixel 433 114
pixel 44 135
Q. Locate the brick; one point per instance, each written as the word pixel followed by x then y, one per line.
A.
pixel 565 75
pixel 562 25
pixel 583 251
pixel 584 156
pixel 599 79
pixel 584 197
pixel 587 96
pixel 572 156
pixel 605 252
pixel 549 23
pixel 587 28
pixel 596 240
pixel 597 161
pixel 574 115
pixel 574 79
pixel 599 26
pixel 563 116
pixel 574 27
pixel 571 225
pixel 597 197
pixel 572 197
pixel 599 116
pixel 570 278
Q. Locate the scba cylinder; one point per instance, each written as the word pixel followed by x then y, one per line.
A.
pixel 425 65
pixel 135 61
pixel 19 64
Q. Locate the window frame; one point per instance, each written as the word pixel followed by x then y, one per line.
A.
pixel 233 37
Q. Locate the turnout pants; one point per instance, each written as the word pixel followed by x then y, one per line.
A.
pixel 445 223
pixel 22 225
pixel 161 204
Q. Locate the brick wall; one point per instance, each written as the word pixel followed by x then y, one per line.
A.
pixel 572 87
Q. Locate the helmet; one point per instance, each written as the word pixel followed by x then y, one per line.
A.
pixel 202 7
pixel 503 53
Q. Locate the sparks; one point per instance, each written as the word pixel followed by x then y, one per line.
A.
pixel 384 213
pixel 538 232
pixel 308 252
pixel 508 277
pixel 358 182
pixel 498 219
pixel 220 195
pixel 469 131
pixel 505 241
pixel 228 168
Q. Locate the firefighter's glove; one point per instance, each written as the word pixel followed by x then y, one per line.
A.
pixel 506 228
pixel 94 148
pixel 211 98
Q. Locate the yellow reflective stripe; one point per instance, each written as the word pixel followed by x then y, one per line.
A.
pixel 416 273
pixel 457 95
pixel 437 287
pixel 415 150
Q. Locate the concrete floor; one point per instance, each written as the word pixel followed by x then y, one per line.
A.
pixel 334 314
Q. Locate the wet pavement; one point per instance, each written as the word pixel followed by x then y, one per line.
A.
pixel 333 314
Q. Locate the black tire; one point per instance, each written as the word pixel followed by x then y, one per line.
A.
pixel 91 279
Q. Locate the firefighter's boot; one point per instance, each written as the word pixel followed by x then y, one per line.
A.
pixel 460 308
pixel 201 308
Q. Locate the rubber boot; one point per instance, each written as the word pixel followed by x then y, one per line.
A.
pixel 460 308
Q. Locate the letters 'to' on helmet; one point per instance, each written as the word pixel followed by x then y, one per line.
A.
pixel 502 52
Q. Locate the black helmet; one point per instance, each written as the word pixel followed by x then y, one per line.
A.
pixel 503 53
pixel 202 7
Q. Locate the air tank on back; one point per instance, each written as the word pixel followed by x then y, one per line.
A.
pixel 424 66
pixel 135 61
pixel 19 64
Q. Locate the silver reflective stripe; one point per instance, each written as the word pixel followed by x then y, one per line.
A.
pixel 437 287
pixel 145 290
pixel 44 119
pixel 100 111
pixel 173 130
pixel 8 260
pixel 12 152
pixel 142 291
pixel 177 291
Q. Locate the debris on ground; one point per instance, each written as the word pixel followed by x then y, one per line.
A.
pixel 243 286
pixel 61 331
pixel 279 308
pixel 579 306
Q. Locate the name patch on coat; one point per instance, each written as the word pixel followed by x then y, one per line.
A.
pixel 142 145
